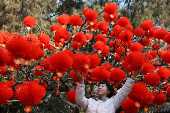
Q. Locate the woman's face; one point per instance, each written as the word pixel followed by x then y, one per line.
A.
pixel 102 90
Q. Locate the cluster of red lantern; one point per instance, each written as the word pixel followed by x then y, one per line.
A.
pixel 124 49
pixel 19 47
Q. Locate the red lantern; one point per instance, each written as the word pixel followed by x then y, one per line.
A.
pixel 153 53
pixel 99 45
pixel 117 58
pixel 155 46
pixel 63 19
pixel 110 17
pixel 117 75
pixel 1 39
pixel 75 20
pixel 29 21
pixel 80 62
pixel 100 37
pixel 94 60
pixel 85 10
pixel 61 61
pixel 44 38
pixel 147 25
pixel 123 21
pixel 145 41
pixel 32 39
pixel 160 33
pixel 91 15
pixel 138 93
pixel 9 84
pixel 39 70
pixel 30 93
pixel 165 56
pixel 100 73
pixel 61 35
pixel 5 93
pixel 18 47
pixel 2 70
pixel 136 47
pixel 152 78
pixel 129 106
pixel 147 67
pixel 106 65
pixel 148 97
pixel 118 30
pixel 42 84
pixel 45 63
pixel 72 74
pixel 163 72
pixel 4 57
pixel 5 36
pixel 129 27
pixel 167 38
pixel 159 98
pixel 92 25
pixel 138 32
pixel 80 37
pixel 103 27
pixel 126 35
pixel 120 51
pixel 110 8
pixel 71 96
pixel 148 57
pixel 54 27
pixel 76 45
pixel 105 51
pixel 69 52
pixel 14 35
pixel 88 36
pixel 133 61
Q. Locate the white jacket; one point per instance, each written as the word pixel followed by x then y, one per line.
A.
pixel 103 106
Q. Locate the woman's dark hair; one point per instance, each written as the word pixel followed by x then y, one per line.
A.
pixel 109 86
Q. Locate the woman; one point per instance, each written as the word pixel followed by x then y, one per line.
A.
pixel 104 104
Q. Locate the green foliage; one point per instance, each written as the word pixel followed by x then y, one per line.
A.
pixel 12 13
pixel 139 10
pixel 16 107
pixel 54 105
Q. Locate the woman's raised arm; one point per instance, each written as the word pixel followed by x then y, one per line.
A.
pixel 80 92
pixel 125 90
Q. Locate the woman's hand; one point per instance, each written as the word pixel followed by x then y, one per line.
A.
pixel 136 73
pixel 80 76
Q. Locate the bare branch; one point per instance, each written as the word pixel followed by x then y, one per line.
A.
pixel 74 107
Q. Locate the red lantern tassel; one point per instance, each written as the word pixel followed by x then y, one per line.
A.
pixel 57 91
pixel 157 107
pixel 12 76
